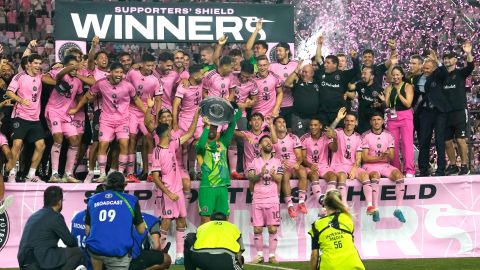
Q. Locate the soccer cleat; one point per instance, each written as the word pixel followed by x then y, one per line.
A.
pixel 70 179
pixel 35 179
pixel 292 212
pixel 56 178
pixel 272 260
pixel 101 179
pixel 12 178
pixel 235 175
pixel 81 267
pixel 5 203
pixel 180 261
pixel 132 179
pixel 399 215
pixel 376 216
pixel 464 170
pixel 302 208
pixel 258 259
pixel 452 170
pixel 371 210
pixel 410 175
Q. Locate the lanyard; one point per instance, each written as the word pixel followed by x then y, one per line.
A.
pixel 396 97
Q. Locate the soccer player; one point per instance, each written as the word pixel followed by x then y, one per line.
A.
pixel 347 158
pixel 315 147
pixel 60 122
pixel 220 82
pixel 167 177
pixel 212 158
pixel 265 175
pixel 206 57
pixel 26 90
pixel 146 84
pixel 253 48
pixel 116 96
pixel 378 148
pixel 288 148
pixel 126 60
pixel 270 93
pixel 178 64
pixel 168 78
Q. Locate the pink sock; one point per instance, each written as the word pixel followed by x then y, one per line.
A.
pixel 232 157
pixel 131 164
pixel 180 240
pixel 272 243
pixel 342 187
pixel 331 185
pixel 258 242
pixel 150 159
pixel 317 191
pixel 367 191
pixel 102 163
pixel 55 156
pixel 302 195
pixel 163 238
pixel 71 157
pixel 122 163
pixel 288 200
pixel 399 191
pixel 375 192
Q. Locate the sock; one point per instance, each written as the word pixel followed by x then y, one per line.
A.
pixel 188 196
pixel 302 195
pixel 163 238
pixel 131 164
pixel 13 171
pixel 31 173
pixel 331 185
pixel 71 157
pixel 367 191
pixel 342 187
pixel 122 163
pixel 258 242
pixel 399 191
pixel 317 191
pixel 232 157
pixel 102 163
pixel 272 244
pixel 180 241
pixel 288 200
pixel 374 192
pixel 55 156
pixel 150 160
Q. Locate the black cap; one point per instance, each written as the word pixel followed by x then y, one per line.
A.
pixel 450 54
pixel 284 45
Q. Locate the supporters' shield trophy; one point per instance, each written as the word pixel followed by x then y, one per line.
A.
pixel 218 110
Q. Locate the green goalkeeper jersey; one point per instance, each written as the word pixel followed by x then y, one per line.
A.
pixel 212 156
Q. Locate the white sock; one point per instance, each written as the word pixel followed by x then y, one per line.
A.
pixel 54 172
pixel 260 253
pixel 179 255
pixel 31 173
pixel 13 171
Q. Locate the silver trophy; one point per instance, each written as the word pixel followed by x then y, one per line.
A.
pixel 218 110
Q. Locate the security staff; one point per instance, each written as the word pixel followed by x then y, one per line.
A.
pixel 333 235
pixel 218 245
pixel 108 225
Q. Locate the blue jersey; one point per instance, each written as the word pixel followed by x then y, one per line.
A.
pixel 140 239
pixel 111 223
pixel 78 231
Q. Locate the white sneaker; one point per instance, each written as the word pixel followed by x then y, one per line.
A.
pixel 101 179
pixel 81 267
pixel 5 203
pixel 35 179
pixel 258 259
pixel 409 175
pixel 70 179
pixel 89 178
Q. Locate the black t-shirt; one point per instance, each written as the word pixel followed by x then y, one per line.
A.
pixel 367 95
pixel 332 88
pixel 305 98
pixel 454 86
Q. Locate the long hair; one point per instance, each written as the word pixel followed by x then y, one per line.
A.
pixel 333 201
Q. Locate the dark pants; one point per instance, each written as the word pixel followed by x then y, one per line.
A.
pixel 432 120
pixel 299 125
pixel 73 257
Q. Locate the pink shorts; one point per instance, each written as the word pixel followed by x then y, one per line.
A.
pixel 3 140
pixel 169 209
pixel 108 131
pixel 265 214
pixel 137 123
pixel 346 169
pixel 384 169
pixel 322 170
pixel 184 125
pixel 79 122
pixel 57 124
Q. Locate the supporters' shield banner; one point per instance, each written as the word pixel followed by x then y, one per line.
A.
pixel 443 218
pixel 217 109
pixel 61 46
pixel 179 22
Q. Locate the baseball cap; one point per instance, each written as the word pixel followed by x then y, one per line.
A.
pixel 450 54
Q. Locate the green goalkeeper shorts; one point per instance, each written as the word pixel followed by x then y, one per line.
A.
pixel 213 199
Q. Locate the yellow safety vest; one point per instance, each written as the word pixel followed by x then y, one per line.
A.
pixel 218 234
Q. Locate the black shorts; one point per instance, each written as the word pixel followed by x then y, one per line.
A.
pixel 96 125
pixel 456 125
pixel 28 131
pixel 87 133
pixel 147 259
pixel 207 261
pixel 286 112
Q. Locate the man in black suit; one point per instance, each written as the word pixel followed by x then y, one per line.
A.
pixel 432 113
pixel 39 244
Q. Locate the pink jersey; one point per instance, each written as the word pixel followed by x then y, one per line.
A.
pixel 184 75
pixel 145 86
pixel 84 72
pixel 99 74
pixel 285 147
pixel 317 149
pixel 348 146
pixel 29 88
pixel 252 151
pixel 244 90
pixel 267 93
pixel 165 161
pixel 191 98
pixel 266 190
pixel 168 81
pixel 377 143
pixel 60 104
pixel 115 99
pixel 283 71
pixel 217 85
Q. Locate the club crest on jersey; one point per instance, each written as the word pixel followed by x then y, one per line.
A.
pixel 222 85
pixel 34 88
pixel 284 149
pixel 55 123
pixel 379 146
pixel 140 86
pixel 285 75
pixel 16 125
pixel 316 87
pixel 114 96
pixel 374 93
pixel 108 195
pixel 337 77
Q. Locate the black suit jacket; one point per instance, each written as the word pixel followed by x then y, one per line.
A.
pixel 434 90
